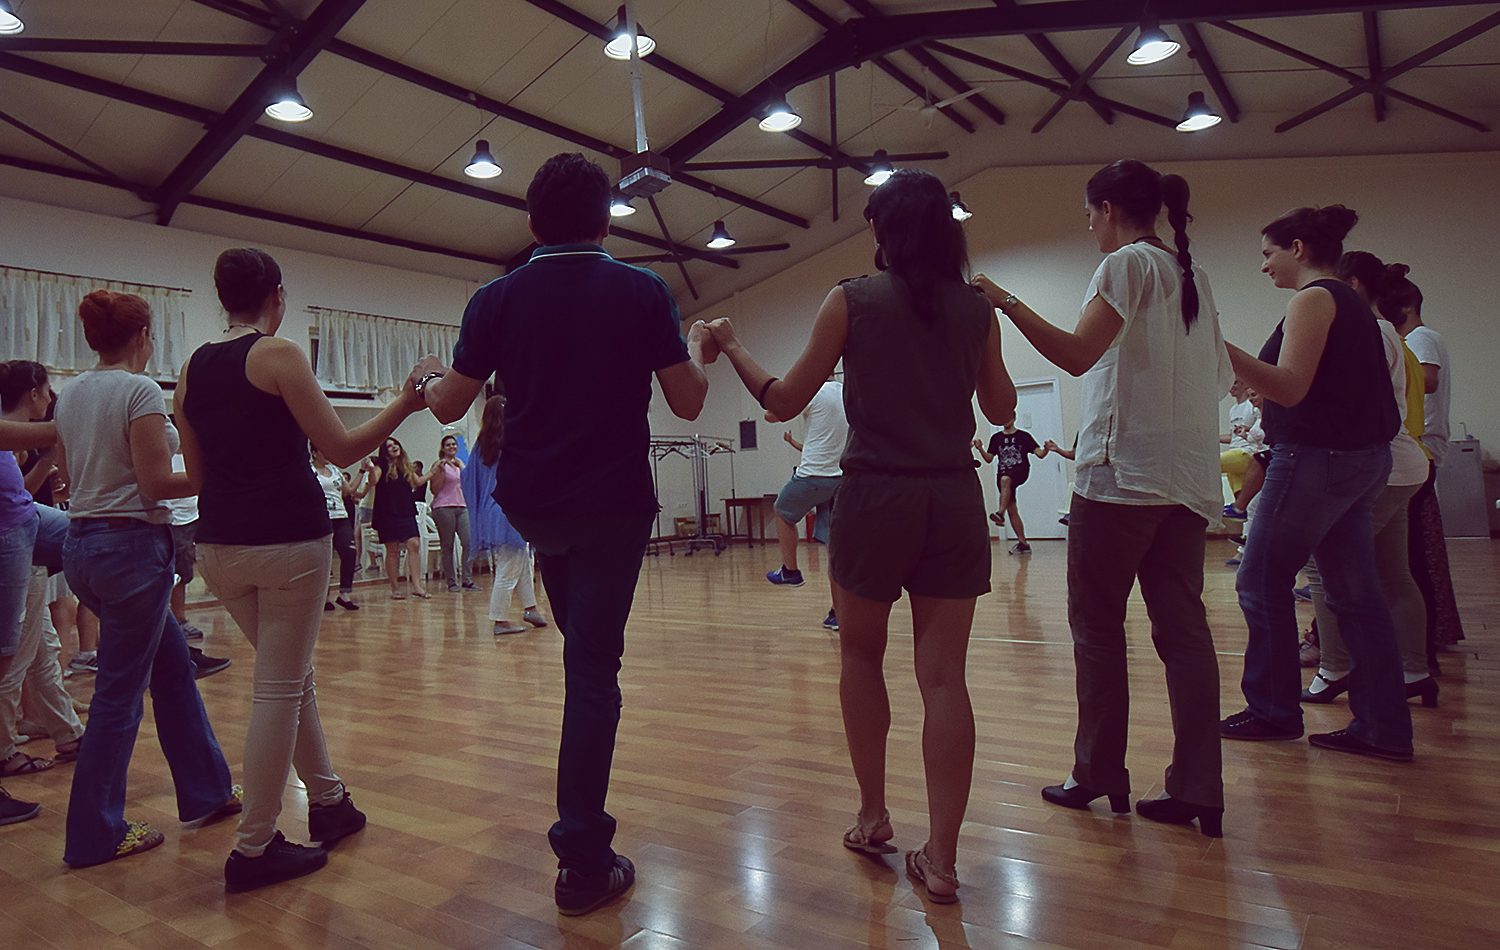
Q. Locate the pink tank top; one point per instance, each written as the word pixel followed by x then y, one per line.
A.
pixel 451 494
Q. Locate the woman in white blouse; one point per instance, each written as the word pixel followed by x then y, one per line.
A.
pixel 1154 369
pixel 336 487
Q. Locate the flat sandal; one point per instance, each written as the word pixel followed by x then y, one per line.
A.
pixel 862 839
pixel 919 868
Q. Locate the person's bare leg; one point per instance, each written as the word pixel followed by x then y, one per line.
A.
pixel 64 611
pixel 88 630
pixel 393 566
pixel 1255 477
pixel 941 628
pixel 179 602
pixel 1015 521
pixel 414 565
pixel 862 695
pixel 1007 493
pixel 786 537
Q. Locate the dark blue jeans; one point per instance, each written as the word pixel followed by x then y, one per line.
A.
pixel 124 575
pixel 590 570
pixel 1318 502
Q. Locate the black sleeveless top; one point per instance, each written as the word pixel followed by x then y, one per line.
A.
pixel 909 382
pixel 259 486
pixel 1351 404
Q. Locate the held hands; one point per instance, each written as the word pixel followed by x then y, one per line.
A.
pixel 977 444
pixel 992 291
pixel 701 343
pixel 425 366
pixel 723 334
pixel 1050 445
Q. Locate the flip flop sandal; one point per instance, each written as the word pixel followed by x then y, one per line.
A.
pixel 862 839
pixel 919 868
pixel 63 755
pixel 30 765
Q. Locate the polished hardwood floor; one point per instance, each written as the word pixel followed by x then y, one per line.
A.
pixel 732 786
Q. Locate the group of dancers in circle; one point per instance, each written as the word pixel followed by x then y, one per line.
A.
pixel 575 337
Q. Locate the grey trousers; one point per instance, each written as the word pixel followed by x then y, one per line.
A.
pixel 1401 592
pixel 1110 547
pixel 34 670
pixel 453 520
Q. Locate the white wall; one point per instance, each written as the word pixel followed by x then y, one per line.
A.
pixel 1434 212
pixel 75 242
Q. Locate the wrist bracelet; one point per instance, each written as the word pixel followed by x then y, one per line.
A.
pixel 1010 301
pixel 421 386
pixel 764 389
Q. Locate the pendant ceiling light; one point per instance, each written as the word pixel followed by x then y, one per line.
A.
pixel 620 206
pixel 483 164
pixel 779 117
pixel 961 211
pixel 880 169
pixel 1199 115
pixel 1153 45
pixel 10 24
pixel 721 238
pixel 618 46
pixel 287 104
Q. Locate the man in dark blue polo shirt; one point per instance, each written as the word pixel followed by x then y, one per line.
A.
pixel 575 337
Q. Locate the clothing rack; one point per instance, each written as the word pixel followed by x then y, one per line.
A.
pixel 697 449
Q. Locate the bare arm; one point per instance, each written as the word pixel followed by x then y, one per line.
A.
pixel 685 385
pixel 979 447
pixel 280 367
pixel 1304 336
pixel 1074 352
pixel 26 435
pixel 151 457
pixel 1431 375
pixel 44 469
pixel 788 396
pixel 996 391
pixel 791 440
pixel 449 396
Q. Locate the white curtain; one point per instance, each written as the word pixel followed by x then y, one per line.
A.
pixel 39 320
pixel 361 351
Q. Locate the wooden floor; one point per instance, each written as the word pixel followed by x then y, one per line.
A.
pixel 732 785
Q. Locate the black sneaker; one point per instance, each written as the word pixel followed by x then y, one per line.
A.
pixel 329 824
pixel 831 622
pixel 204 665
pixel 282 861
pixel 576 894
pixel 13 810
pixel 1342 741
pixel 191 632
pixel 784 576
pixel 1247 725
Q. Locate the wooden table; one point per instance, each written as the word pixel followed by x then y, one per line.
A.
pixel 755 510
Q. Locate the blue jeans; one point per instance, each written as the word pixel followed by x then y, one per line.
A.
pixel 16 544
pixel 51 531
pixel 1319 502
pixel 590 571
pixel 124 575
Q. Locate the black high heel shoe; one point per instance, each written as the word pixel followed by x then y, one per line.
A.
pixel 1174 812
pixel 1079 797
pixel 1426 688
pixel 1333 690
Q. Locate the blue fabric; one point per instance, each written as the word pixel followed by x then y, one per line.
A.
pixel 489 529
pixel 124 575
pixel 16 543
pixel 1321 502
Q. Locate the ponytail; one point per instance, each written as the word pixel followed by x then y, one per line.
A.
pixel 1174 192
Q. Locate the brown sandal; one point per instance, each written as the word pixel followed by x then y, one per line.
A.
pixel 919 868
pixel 68 751
pixel 871 840
pixel 30 765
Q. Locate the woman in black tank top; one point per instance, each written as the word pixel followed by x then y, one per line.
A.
pixel 247 406
pixel 1329 416
pixel 917 344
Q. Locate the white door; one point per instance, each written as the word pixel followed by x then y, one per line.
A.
pixel 1045 495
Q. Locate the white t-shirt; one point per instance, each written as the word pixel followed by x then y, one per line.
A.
pixel 1242 415
pixel 184 510
pixel 332 481
pixel 1149 433
pixel 827 431
pixel 1430 350
pixel 1408 461
pixel 94 413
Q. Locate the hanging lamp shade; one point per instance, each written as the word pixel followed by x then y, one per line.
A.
pixel 10 24
pixel 961 211
pixel 881 169
pixel 483 164
pixel 721 238
pixel 618 45
pixel 620 206
pixel 779 117
pixel 287 104
pixel 1199 115
pixel 1152 45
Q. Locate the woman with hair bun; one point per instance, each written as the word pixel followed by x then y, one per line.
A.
pixel 248 405
pixel 1329 414
pixel 1154 368
pixel 117 448
pixel 918 345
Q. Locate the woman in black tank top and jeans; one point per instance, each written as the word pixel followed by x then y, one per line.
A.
pixel 247 405
pixel 1329 416
pixel 917 344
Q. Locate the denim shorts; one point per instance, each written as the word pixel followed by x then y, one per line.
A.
pixel 184 550
pixel 802 493
pixel 925 533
